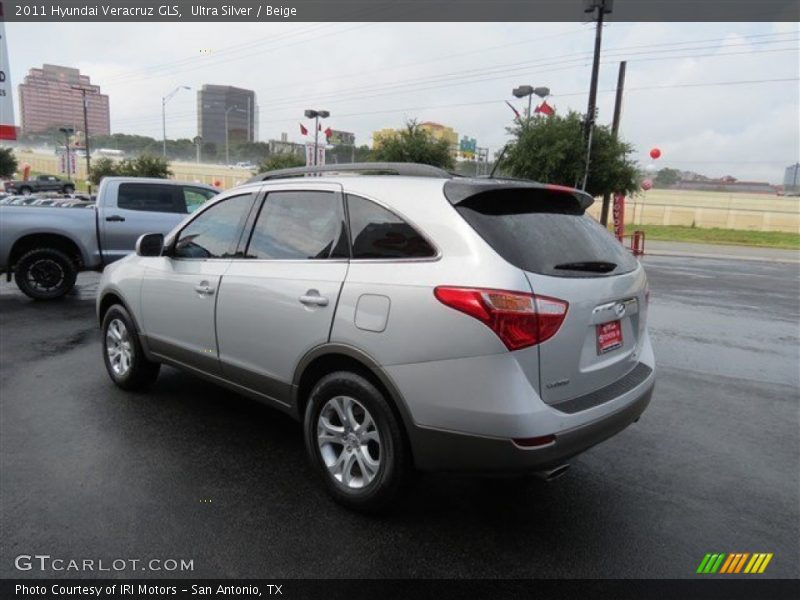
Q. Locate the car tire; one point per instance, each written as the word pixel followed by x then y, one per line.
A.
pixel 45 274
pixel 365 487
pixel 69 189
pixel 123 355
pixel 25 190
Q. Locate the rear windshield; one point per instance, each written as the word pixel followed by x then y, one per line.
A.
pixel 545 232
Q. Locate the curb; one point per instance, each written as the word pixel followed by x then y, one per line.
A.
pixel 788 261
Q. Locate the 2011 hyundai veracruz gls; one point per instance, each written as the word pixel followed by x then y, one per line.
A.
pixel 412 320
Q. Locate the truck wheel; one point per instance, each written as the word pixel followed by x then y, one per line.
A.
pixel 69 189
pixel 25 191
pixel 45 274
pixel 124 358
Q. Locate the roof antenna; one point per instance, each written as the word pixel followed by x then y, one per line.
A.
pixel 499 159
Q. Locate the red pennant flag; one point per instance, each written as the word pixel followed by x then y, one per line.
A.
pixel 516 112
pixel 329 133
pixel 545 109
pixel 303 130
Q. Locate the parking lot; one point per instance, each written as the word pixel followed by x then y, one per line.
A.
pixel 192 471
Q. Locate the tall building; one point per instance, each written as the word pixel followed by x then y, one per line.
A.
pixel 214 101
pixel 51 97
pixel 441 132
pixel 791 179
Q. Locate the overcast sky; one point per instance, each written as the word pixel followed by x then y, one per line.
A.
pixel 375 75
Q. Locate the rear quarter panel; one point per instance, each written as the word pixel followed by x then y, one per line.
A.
pixel 78 225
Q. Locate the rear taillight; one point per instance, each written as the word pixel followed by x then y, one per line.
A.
pixel 519 319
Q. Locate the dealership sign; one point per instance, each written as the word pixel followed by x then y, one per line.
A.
pixel 342 138
pixel 7 129
pixel 310 155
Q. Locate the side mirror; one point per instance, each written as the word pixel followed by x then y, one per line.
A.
pixel 150 244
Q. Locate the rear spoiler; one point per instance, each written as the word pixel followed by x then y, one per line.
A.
pixel 458 190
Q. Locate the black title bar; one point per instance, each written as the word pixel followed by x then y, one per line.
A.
pixel 396 10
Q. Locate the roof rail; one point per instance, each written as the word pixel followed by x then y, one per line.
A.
pixel 371 168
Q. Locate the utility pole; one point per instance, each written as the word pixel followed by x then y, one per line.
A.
pixel 602 7
pixel 83 91
pixel 67 131
pixel 614 132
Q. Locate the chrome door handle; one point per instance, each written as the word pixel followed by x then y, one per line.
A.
pixel 204 289
pixel 314 300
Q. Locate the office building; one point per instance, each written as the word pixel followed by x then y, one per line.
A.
pixel 214 102
pixel 52 97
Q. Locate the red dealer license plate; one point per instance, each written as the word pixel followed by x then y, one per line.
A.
pixel 609 337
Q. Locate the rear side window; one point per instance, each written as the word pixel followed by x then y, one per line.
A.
pixel 378 233
pixel 298 225
pixel 194 198
pixel 152 197
pixel 545 232
pixel 215 233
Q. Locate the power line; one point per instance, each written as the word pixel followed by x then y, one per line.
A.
pixel 345 98
pixel 452 79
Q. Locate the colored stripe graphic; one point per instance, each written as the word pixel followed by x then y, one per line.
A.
pixel 727 564
pixel 734 563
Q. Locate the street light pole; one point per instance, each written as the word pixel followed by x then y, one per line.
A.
pixel 164 101
pixel 602 7
pixel 529 91
pixel 316 115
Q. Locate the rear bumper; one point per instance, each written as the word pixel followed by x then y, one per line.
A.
pixel 444 450
pixel 463 414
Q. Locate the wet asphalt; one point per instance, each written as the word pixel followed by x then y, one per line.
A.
pixel 191 471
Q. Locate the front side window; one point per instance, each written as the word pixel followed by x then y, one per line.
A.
pixel 297 225
pixel 151 197
pixel 379 233
pixel 215 232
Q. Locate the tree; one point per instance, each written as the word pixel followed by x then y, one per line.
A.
pixel 281 160
pixel 551 149
pixel 102 167
pixel 414 144
pixel 145 165
pixel 666 177
pixel 8 163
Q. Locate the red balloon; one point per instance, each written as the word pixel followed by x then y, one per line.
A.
pixel 647 184
pixel 655 153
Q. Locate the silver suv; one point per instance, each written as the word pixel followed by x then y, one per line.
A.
pixel 407 317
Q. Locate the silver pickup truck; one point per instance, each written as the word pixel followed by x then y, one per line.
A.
pixel 45 247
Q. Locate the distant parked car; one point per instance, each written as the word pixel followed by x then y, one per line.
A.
pixel 40 183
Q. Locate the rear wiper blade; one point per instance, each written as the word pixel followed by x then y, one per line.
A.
pixel 595 266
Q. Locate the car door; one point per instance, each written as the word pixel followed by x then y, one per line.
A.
pixel 143 207
pixel 179 289
pixel 278 301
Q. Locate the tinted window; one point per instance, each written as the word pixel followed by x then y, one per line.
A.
pixel 379 233
pixel 299 225
pixel 545 232
pixel 194 198
pixel 152 197
pixel 215 232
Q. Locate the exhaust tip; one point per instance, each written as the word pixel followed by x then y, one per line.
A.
pixel 553 474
